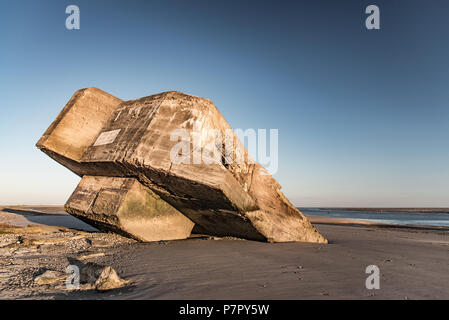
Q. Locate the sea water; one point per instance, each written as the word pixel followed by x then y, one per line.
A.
pixel 438 219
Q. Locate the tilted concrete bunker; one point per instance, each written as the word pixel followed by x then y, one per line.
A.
pixel 124 150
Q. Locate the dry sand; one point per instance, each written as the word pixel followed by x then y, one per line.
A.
pixel 413 262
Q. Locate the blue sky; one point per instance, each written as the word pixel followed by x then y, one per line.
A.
pixel 363 116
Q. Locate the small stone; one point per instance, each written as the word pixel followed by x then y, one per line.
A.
pixel 109 280
pixel 50 277
pixel 99 243
pixel 92 255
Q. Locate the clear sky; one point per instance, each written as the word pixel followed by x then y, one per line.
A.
pixel 363 116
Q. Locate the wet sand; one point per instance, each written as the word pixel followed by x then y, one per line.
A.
pixel 414 264
pixel 21 216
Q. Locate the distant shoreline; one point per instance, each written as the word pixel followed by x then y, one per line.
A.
pixel 423 210
pixel 52 211
pixel 398 209
pixel 401 209
pixel 364 223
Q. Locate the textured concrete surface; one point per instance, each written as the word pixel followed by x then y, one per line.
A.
pixel 126 207
pixel 222 198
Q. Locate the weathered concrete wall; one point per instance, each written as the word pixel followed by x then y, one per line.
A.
pixel 222 199
pixel 77 127
pixel 125 206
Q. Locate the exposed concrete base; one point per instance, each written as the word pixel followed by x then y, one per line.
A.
pixel 126 207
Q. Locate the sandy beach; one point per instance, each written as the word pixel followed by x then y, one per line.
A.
pixel 413 262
